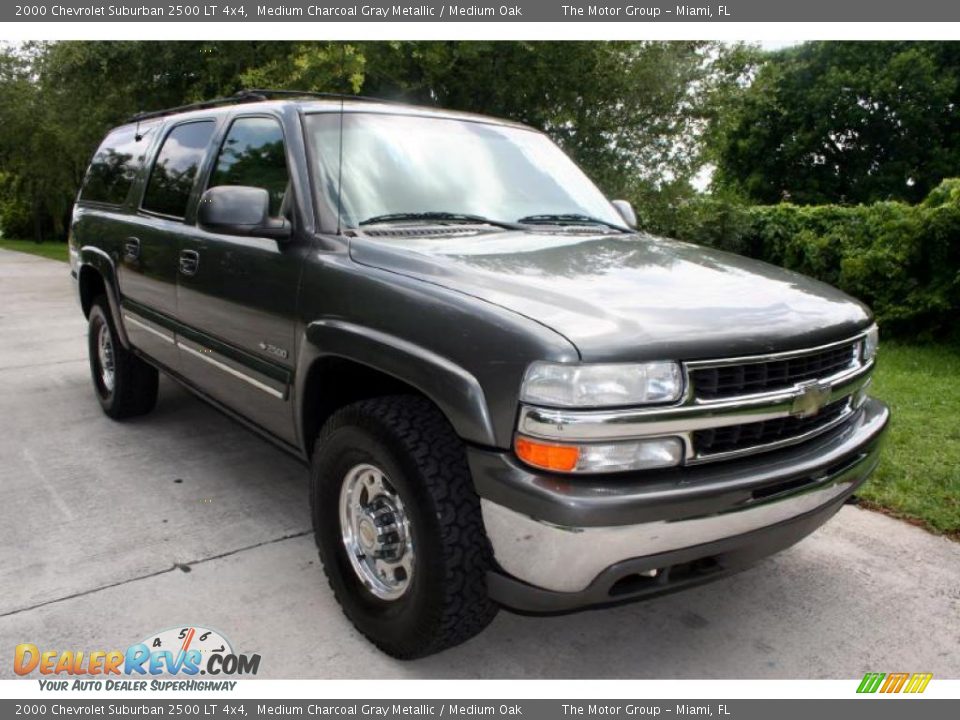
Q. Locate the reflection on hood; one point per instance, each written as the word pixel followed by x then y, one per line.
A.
pixel 629 296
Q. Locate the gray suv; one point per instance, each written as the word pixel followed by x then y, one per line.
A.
pixel 507 396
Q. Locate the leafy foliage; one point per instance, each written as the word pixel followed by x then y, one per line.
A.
pixel 848 122
pixel 632 113
pixel 903 260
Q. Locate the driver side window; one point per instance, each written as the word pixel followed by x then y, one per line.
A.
pixel 252 154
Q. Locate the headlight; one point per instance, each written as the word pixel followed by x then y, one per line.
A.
pixel 870 343
pixel 642 454
pixel 606 385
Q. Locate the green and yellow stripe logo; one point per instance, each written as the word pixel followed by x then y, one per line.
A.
pixel 894 682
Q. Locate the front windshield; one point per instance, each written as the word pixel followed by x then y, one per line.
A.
pixel 400 164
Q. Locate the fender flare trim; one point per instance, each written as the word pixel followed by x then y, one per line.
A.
pixel 455 391
pixel 100 261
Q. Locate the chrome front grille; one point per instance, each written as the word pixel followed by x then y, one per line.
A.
pixel 747 436
pixel 755 376
pixel 733 407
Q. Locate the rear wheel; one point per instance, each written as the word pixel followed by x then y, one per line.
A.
pixel 125 385
pixel 398 526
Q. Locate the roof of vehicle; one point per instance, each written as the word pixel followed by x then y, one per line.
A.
pixel 308 102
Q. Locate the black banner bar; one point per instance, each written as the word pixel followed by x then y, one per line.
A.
pixel 510 11
pixel 215 708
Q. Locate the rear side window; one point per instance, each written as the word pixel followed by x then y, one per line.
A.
pixel 252 154
pixel 114 166
pixel 176 167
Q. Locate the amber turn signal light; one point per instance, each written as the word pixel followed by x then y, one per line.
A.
pixel 559 458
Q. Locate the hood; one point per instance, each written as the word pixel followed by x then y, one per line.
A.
pixel 628 297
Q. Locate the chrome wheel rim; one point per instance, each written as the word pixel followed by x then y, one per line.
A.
pixel 375 529
pixel 105 357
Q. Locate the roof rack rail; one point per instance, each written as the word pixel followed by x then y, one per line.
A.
pixel 251 95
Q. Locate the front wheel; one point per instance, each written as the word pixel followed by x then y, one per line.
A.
pixel 126 386
pixel 398 526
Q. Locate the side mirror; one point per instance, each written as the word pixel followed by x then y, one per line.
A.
pixel 240 210
pixel 626 212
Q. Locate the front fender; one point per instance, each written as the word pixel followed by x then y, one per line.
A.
pixel 455 391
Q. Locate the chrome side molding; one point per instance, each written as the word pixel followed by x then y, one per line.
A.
pixel 144 325
pixel 206 355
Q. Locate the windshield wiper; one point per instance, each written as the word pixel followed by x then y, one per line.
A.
pixel 569 219
pixel 440 217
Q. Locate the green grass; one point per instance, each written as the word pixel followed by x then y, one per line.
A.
pixel 919 475
pixel 51 249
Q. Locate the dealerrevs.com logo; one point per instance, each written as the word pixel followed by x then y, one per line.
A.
pixel 185 652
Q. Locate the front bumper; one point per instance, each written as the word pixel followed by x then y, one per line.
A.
pixel 562 543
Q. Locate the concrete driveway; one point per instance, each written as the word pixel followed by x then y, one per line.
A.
pixel 110 531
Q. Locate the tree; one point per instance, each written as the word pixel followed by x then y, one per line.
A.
pixel 57 100
pixel 851 122
pixel 633 114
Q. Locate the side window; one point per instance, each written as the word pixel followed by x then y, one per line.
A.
pixel 115 164
pixel 252 154
pixel 175 169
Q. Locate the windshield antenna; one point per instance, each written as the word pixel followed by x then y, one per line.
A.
pixel 343 60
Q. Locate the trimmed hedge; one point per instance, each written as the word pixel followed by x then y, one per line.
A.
pixel 902 260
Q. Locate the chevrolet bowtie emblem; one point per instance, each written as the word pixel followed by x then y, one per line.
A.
pixel 810 398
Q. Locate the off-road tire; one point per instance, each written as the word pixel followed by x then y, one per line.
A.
pixel 412 442
pixel 135 382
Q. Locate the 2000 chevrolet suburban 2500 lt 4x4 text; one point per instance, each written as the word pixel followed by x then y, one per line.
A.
pixel 507 395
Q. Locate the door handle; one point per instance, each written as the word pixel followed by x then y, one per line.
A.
pixel 189 262
pixel 131 248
